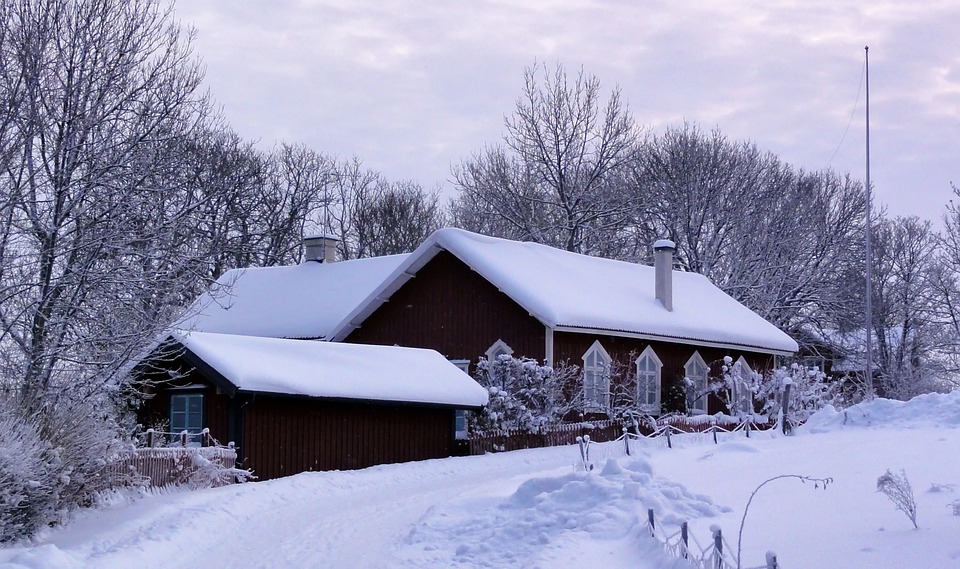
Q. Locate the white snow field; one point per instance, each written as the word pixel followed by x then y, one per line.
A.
pixel 534 509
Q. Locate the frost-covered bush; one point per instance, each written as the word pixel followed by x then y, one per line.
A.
pixel 524 395
pixel 897 488
pixel 737 387
pixel 28 485
pixel 810 391
pixel 52 459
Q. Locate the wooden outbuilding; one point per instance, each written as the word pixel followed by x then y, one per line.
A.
pixel 293 405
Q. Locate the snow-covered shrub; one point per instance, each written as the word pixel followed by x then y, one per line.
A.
pixel 28 478
pixel 897 488
pixel 208 472
pixel 524 394
pixel 810 391
pixel 52 457
pixel 736 387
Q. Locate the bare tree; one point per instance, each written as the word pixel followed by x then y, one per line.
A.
pixel 99 97
pixel 557 178
pixel 905 306
pixel 372 216
pixel 773 238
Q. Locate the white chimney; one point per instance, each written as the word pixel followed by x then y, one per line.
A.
pixel 320 248
pixel 663 269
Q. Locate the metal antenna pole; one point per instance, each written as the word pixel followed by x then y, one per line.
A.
pixel 869 324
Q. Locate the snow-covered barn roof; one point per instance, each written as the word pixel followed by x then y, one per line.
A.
pixel 334 370
pixel 301 301
pixel 569 291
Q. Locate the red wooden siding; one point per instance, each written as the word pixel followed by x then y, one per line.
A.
pixel 284 436
pixel 450 308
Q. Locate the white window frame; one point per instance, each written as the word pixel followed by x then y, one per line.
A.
pixel 499 347
pixel 742 395
pixel 645 378
pixel 697 405
pixel 599 378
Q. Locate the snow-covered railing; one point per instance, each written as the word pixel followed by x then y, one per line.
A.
pixel 174 466
pixel 717 554
pixel 205 463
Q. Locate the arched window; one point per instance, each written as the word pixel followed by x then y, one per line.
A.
pixel 648 381
pixel 696 371
pixel 596 377
pixel 499 348
pixel 742 381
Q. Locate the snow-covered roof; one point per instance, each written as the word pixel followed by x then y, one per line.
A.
pixel 334 370
pixel 569 291
pixel 301 301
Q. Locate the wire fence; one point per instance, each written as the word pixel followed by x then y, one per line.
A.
pixel 716 554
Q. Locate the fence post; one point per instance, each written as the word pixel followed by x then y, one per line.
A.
pixel 651 521
pixel 183 438
pixel 714 427
pixel 150 441
pixel 717 547
pixel 205 437
pixel 669 444
pixel 684 538
pixel 772 560
pixel 748 427
pixel 785 408
pixel 626 440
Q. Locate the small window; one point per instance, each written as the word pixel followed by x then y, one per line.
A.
pixel 186 414
pixel 464 365
pixel 460 424
pixel 648 381
pixel 499 348
pixel 696 371
pixel 596 377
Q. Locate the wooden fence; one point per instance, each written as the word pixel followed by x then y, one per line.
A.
pixel 173 466
pixel 500 441
pixel 195 459
pixel 604 431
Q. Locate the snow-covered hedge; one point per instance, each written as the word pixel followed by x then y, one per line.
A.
pixel 28 484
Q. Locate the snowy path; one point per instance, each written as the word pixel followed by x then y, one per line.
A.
pixel 342 519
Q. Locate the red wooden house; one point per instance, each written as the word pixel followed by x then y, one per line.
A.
pixel 469 296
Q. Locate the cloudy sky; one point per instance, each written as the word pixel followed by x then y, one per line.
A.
pixel 414 87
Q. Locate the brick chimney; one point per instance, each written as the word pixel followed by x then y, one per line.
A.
pixel 663 268
pixel 320 248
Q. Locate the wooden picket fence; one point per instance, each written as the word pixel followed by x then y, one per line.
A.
pixel 610 430
pixel 558 435
pixel 205 464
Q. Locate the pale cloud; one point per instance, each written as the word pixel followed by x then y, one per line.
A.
pixel 413 87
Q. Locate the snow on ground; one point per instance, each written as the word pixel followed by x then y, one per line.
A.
pixel 534 509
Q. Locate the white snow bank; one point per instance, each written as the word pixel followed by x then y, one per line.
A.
pixel 546 515
pixel 934 409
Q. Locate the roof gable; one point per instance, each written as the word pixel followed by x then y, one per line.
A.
pixel 565 290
